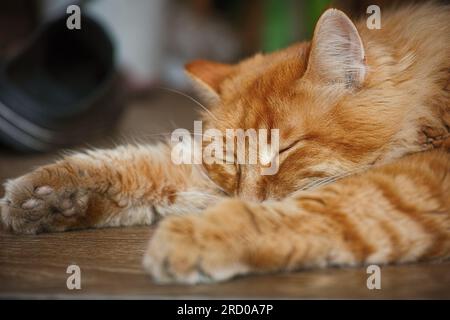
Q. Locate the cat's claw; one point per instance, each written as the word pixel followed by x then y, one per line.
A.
pixel 31 205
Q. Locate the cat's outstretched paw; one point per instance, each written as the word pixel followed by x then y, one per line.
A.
pixel 43 201
pixel 197 249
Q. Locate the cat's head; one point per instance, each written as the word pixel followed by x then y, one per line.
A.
pixel 313 93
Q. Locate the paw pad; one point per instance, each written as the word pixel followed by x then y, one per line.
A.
pixel 31 204
pixel 43 191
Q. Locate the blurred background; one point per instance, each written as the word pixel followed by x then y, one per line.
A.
pixel 120 77
pixel 154 38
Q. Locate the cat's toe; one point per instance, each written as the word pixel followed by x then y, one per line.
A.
pixel 32 204
pixel 181 251
pixel 43 190
pixel 70 203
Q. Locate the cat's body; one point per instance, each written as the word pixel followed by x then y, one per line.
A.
pixel 374 103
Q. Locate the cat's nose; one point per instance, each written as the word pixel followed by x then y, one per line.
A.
pixel 251 195
pixel 251 187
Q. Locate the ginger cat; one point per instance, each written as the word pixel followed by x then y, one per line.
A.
pixel 364 161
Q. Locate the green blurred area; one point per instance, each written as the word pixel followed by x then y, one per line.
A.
pixel 281 20
pixel 313 11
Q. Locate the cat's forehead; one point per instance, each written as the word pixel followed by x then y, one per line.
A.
pixel 261 92
pixel 296 53
pixel 262 71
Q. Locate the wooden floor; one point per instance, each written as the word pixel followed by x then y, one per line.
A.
pixel 110 259
pixel 110 263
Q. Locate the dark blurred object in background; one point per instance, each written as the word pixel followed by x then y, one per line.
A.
pixel 18 19
pixel 60 87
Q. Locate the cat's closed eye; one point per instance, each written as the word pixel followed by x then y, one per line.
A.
pixel 289 146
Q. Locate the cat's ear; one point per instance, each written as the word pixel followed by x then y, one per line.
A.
pixel 208 76
pixel 337 52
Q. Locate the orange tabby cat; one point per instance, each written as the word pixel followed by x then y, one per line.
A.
pixel 364 167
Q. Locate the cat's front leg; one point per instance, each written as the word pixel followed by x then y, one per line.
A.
pixel 119 187
pixel 235 238
pixel 393 214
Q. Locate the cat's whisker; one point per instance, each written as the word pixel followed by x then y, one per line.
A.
pixel 198 103
pixel 327 180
